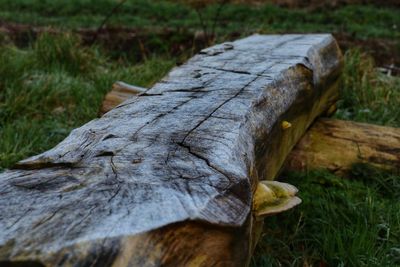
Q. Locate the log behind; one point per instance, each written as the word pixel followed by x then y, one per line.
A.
pixel 336 145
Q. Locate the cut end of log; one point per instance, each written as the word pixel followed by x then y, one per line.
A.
pixel 120 92
pixel 273 197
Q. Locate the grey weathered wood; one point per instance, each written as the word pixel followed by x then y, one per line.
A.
pixel 178 163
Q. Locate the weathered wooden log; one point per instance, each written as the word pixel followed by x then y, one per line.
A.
pixel 167 177
pixel 336 145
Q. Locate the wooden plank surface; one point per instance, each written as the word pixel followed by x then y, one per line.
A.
pixel 184 155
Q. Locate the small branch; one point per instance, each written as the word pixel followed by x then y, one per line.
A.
pixel 217 15
pixel 109 15
pixel 142 50
pixel 203 25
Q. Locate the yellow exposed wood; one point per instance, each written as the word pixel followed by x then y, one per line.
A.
pixel 336 145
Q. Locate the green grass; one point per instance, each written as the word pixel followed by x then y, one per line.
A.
pixel 360 21
pixel 344 222
pixel 341 222
pixel 55 86
pixel 366 94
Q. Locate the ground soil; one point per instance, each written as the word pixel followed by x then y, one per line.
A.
pixel 139 44
pixel 386 53
pixel 313 4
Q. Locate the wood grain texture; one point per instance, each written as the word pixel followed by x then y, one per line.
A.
pixel 336 145
pixel 182 158
pixel 120 92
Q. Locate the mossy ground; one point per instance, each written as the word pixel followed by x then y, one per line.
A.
pixel 55 82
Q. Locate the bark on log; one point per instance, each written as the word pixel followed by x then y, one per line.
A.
pixel 167 177
pixel 336 145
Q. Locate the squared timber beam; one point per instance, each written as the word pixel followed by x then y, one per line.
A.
pixel 167 178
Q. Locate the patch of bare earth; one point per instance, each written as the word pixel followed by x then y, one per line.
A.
pixel 141 42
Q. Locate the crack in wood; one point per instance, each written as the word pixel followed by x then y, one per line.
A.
pixel 215 110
